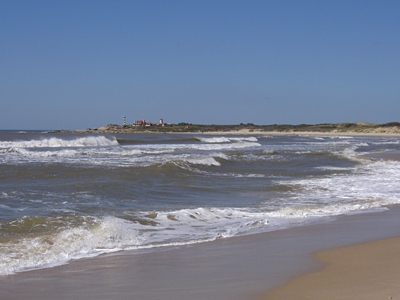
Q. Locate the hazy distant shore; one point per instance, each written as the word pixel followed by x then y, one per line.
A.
pixel 359 128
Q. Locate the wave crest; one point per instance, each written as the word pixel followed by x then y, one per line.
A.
pixel 90 141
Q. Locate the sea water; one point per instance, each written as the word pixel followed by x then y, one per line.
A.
pixel 69 196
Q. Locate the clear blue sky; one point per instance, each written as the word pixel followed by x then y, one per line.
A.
pixel 78 64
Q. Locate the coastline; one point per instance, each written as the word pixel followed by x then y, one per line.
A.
pixel 367 270
pixel 364 271
pixel 249 132
pixel 242 267
pixel 358 128
pixel 236 132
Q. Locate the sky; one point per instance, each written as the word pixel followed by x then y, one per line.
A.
pixel 84 64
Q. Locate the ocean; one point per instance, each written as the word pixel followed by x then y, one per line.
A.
pixel 67 196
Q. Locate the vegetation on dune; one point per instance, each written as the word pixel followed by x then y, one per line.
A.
pixel 325 127
pixel 358 127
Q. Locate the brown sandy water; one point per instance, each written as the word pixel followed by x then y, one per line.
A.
pixel 387 155
pixel 237 268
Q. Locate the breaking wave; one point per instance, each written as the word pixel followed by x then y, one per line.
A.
pixel 155 229
pixel 228 139
pixel 91 141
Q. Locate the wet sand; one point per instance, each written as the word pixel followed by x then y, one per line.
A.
pixel 367 271
pixel 237 268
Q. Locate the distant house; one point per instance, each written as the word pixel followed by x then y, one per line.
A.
pixel 161 123
pixel 144 123
pixel 139 123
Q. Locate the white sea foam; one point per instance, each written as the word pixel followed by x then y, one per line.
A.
pixel 370 181
pixel 164 228
pixel 361 186
pixel 215 140
pixel 309 211
pixel 91 141
pixel 186 226
pixel 331 168
pixel 362 145
pixel 223 139
pixel 208 161
pixel 345 137
pixel 244 139
pixel 396 142
pixel 210 223
pixel 111 234
pixel 132 155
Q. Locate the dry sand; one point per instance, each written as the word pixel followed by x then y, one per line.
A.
pixel 366 271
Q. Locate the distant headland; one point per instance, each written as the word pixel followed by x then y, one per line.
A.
pixel 141 126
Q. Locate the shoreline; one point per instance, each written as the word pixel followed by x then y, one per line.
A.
pixel 363 271
pixel 242 267
pixel 366 270
pixel 358 128
pixel 234 132
pixel 302 133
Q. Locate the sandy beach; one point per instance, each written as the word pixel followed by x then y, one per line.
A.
pixel 366 271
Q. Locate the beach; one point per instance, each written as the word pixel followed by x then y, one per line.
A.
pixel 355 129
pixel 199 150
pixel 377 132
pixel 366 271
pixel 191 216
pixel 239 268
